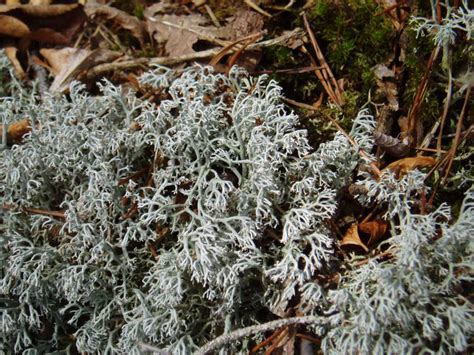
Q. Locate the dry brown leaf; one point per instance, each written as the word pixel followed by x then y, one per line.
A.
pixel 376 229
pixel 181 32
pixel 352 238
pixel 54 24
pixel 120 18
pixel 386 86
pixel 16 131
pixel 67 63
pixel 31 2
pixel 10 26
pixel 391 145
pixel 402 166
pixel 243 23
pixel 11 52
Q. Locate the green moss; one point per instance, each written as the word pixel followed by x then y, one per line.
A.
pixel 280 56
pixel 354 40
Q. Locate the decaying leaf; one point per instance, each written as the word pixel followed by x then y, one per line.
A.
pixel 180 32
pixel 120 18
pixel 67 63
pixel 352 238
pixel 16 131
pixel 386 87
pixel 376 229
pixel 391 145
pixel 55 24
pixel 402 166
pixel 11 52
pixel 13 27
pixel 243 23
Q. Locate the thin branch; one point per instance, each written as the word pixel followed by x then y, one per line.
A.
pixel 326 71
pixel 254 6
pixel 57 214
pixel 144 62
pixel 245 332
pixel 419 97
pixel 457 137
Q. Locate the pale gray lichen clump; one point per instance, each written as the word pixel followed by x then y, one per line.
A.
pixel 168 210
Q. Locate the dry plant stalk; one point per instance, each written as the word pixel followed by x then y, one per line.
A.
pixel 325 75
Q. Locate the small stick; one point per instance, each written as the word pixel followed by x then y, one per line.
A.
pixel 327 73
pixel 254 6
pixel 244 332
pixel 266 341
pixel 58 214
pixel 287 71
pixel 211 14
pixel 276 342
pixel 233 59
pixel 419 96
pixel 144 62
pixel 455 144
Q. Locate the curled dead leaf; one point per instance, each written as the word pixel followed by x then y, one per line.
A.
pixel 181 32
pixel 376 229
pixel 16 131
pixel 403 166
pixel 55 24
pixel 68 63
pixel 391 145
pixel 352 238
pixel 11 52
pixel 10 26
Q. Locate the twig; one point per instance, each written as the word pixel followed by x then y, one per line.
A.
pixel 254 6
pixel 138 62
pixel 447 103
pixel 233 59
pixel 454 147
pixel 419 96
pixel 212 15
pixel 266 341
pixel 57 214
pixel 244 332
pixel 228 49
pixel 286 71
pixel 278 341
pixel 326 71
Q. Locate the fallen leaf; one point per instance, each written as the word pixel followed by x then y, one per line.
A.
pixel 386 86
pixel 11 52
pixel 16 131
pixel 243 23
pixel 403 166
pixel 181 32
pixel 55 24
pixel 376 229
pixel 68 63
pixel 10 26
pixel 352 238
pixel 391 145
pixel 120 18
